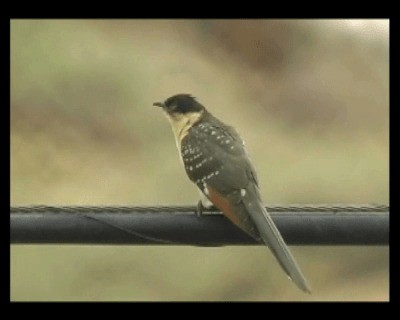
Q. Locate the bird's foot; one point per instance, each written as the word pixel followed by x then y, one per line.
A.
pixel 200 208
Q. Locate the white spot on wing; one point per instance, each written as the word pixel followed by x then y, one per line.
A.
pixel 205 189
pixel 242 192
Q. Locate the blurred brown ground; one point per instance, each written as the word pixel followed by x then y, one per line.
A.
pixel 309 97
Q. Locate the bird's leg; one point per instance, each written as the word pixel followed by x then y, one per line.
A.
pixel 203 203
pixel 199 209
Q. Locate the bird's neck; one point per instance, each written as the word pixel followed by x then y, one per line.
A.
pixel 181 124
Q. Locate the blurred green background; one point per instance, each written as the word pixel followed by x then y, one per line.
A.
pixel 309 97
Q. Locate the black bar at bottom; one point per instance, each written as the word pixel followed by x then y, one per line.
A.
pixel 184 228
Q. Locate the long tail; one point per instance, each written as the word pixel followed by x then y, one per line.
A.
pixel 273 239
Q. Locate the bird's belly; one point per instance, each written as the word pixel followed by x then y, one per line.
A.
pixel 223 204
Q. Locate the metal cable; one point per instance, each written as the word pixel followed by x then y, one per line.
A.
pixel 184 209
pixel 178 225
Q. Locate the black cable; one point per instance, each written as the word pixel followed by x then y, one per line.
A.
pixel 299 225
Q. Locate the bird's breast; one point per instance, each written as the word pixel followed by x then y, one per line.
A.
pixel 181 124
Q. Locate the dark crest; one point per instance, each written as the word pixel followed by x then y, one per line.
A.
pixel 182 103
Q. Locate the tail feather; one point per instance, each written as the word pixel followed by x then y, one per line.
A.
pixel 273 239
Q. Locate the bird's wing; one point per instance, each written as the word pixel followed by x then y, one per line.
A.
pixel 216 161
pixel 212 148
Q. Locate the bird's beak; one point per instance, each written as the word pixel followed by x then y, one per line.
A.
pixel 158 104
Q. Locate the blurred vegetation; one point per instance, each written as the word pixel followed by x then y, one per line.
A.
pixel 309 97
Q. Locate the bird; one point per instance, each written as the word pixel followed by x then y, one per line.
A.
pixel 216 160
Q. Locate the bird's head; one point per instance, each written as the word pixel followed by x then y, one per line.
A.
pixel 182 111
pixel 180 105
